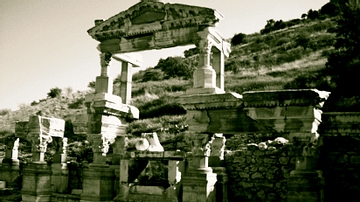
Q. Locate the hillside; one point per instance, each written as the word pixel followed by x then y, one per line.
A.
pixel 267 61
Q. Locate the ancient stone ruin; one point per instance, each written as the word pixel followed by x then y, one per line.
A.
pixel 258 146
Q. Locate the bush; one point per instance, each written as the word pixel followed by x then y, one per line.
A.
pixel 237 39
pixel 3 112
pixel 173 67
pixel 54 92
pixel 153 75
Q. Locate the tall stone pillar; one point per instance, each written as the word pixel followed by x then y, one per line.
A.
pixel 126 80
pixel 124 186
pixel 205 75
pixel 104 83
pixel 216 162
pixel 98 179
pixel 118 154
pixel 218 65
pixel 9 170
pixel 60 171
pixel 37 174
pixel 199 180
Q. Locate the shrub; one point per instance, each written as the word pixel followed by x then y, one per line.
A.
pixel 3 112
pixel 54 92
pixel 237 39
pixel 282 40
pixel 152 75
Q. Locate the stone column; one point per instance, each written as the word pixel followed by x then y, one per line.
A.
pixel 216 162
pixel 37 174
pixel 98 179
pixel 103 82
pixel 176 170
pixel 124 186
pixel 9 170
pixel 126 80
pixel 218 64
pixel 60 171
pixel 118 154
pixel 198 180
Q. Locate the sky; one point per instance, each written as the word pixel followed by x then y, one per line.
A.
pixel 44 43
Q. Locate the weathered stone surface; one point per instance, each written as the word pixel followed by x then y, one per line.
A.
pixel 284 160
pixel 355 160
pixel 244 175
pixel 257 175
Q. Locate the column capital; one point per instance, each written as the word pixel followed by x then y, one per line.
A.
pixel 199 142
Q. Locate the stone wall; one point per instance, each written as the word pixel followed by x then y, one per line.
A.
pixel 257 172
pixel 340 156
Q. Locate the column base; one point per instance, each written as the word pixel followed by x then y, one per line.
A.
pixel 98 183
pixel 36 182
pixel 305 185
pixel 198 185
pixel 60 177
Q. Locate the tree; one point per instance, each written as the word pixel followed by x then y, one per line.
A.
pixel 329 9
pixel 174 67
pixel 91 85
pixel 54 92
pixel 237 39
pixel 312 14
pixel 344 62
pixel 191 52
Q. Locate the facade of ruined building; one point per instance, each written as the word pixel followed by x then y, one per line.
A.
pixel 258 146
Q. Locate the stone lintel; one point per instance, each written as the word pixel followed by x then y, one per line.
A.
pixel 145 17
pixel 299 97
pixel 104 103
pixel 134 59
pixel 47 126
pixel 211 101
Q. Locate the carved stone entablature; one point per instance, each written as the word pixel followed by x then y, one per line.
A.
pixel 103 103
pixel 46 126
pixel 299 97
pixel 340 124
pixel 211 101
pixel 150 17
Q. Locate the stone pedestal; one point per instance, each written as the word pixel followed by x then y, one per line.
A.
pixel 36 182
pixel 221 185
pixel 124 186
pixel 305 185
pixel 60 174
pixel 98 183
pixel 198 185
pixel 9 170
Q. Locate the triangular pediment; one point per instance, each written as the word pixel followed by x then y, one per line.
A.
pixel 150 17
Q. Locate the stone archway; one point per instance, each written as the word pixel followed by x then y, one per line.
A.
pixel 152 24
